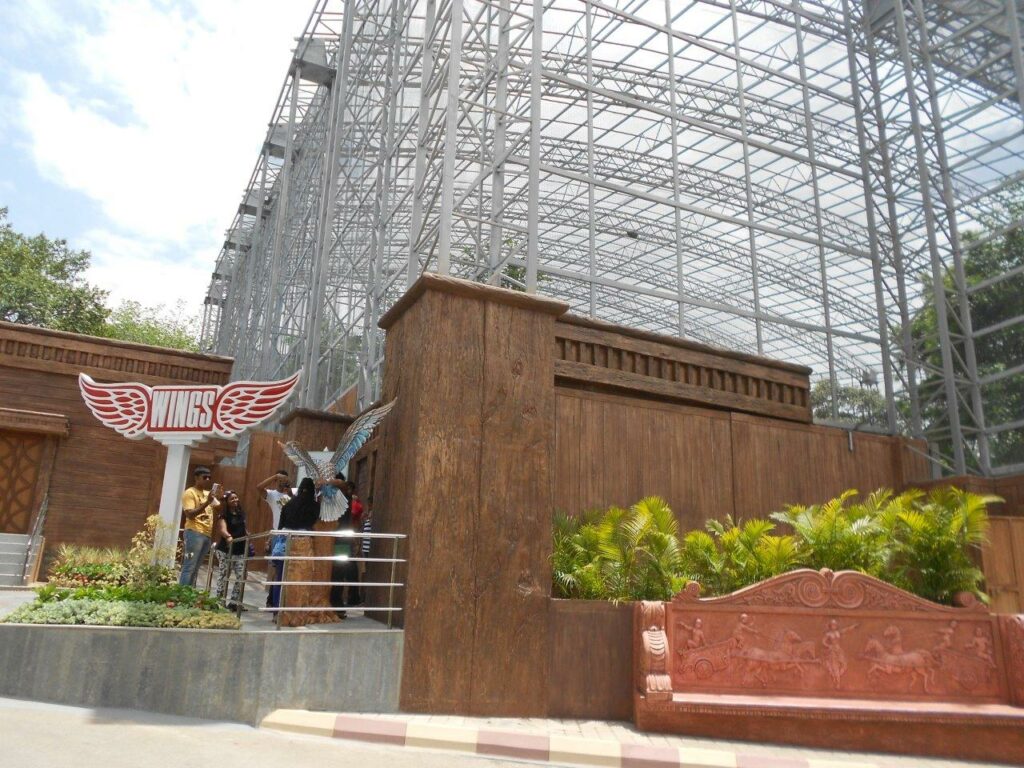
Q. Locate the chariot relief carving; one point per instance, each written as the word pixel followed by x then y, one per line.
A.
pixel 846 634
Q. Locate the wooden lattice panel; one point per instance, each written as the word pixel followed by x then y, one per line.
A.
pixel 22 462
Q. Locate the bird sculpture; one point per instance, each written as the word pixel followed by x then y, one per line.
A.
pixel 333 502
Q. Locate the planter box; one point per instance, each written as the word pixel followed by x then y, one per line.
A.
pixel 591 663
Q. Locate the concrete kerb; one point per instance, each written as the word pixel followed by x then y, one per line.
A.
pixel 238 676
pixel 609 745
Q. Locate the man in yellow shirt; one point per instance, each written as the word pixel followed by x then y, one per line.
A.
pixel 199 503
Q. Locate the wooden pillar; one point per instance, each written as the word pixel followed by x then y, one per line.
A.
pixel 465 471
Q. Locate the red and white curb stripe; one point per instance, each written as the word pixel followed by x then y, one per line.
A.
pixel 545 748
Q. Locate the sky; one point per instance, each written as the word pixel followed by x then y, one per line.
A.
pixel 130 128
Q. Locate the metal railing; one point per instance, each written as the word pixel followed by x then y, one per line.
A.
pixel 283 582
pixel 34 539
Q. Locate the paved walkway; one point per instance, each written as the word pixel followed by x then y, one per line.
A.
pixel 34 735
pixel 575 742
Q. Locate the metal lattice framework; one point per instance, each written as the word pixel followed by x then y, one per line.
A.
pixel 796 179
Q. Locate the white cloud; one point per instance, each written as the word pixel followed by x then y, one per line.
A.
pixel 158 118
pixel 136 269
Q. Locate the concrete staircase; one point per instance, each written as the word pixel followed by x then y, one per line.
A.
pixel 12 557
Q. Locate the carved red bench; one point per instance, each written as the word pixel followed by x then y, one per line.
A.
pixel 838 660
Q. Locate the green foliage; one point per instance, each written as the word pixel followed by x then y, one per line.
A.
pixel 994 352
pixel 840 535
pixel 931 538
pixel 120 614
pixel 920 543
pixel 88 566
pixel 161 327
pixel 732 555
pixel 167 594
pixel 42 283
pixel 622 554
pixel 854 404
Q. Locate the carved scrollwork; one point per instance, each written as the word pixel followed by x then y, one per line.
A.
pixel 655 682
pixel 823 589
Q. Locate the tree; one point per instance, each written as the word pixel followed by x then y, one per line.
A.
pixel 42 283
pixel 174 328
pixel 994 352
pixel 857 405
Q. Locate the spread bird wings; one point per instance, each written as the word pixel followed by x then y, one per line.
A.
pixel 300 458
pixel 245 404
pixel 356 435
pixel 122 407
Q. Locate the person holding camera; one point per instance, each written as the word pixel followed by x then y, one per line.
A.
pixel 199 505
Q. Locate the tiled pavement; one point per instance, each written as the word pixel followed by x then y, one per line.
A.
pixel 576 742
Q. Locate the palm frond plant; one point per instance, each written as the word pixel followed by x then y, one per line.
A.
pixel 840 535
pixel 620 554
pixel 932 538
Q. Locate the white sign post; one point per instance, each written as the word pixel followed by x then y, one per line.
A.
pixel 180 417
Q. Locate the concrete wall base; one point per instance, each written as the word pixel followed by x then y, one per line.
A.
pixel 211 674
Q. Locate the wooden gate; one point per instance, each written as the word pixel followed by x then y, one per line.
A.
pixel 1003 562
pixel 25 461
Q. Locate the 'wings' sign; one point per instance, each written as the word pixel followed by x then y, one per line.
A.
pixel 179 417
pixel 173 413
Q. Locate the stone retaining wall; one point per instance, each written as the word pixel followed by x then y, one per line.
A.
pixel 212 674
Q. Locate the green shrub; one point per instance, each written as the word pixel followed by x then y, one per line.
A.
pixel 841 535
pixel 621 554
pixel 77 566
pixel 730 556
pixel 186 596
pixel 921 543
pixel 120 614
pixel 930 541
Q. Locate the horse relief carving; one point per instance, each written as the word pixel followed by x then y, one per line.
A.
pixel 887 657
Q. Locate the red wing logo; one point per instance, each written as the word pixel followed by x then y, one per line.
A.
pixel 122 407
pixel 245 404
pixel 135 410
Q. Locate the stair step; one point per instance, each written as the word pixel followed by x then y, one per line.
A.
pixel 5 537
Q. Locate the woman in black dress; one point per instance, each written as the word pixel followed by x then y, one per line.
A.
pixel 302 514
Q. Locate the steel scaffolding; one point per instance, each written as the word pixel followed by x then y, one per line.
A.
pixel 812 180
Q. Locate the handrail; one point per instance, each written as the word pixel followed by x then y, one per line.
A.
pixel 37 525
pixel 284 582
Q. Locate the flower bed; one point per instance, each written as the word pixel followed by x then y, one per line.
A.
pixel 120 588
pixel 109 613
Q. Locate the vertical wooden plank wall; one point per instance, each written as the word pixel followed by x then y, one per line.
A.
pixel 615 449
pixel 467 454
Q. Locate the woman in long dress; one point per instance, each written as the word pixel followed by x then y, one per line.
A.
pixel 302 513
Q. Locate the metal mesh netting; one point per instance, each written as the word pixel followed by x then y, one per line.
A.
pixel 831 183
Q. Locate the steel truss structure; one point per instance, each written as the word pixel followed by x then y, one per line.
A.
pixel 803 179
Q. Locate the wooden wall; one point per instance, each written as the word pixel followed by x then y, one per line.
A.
pixel 611 449
pixel 468 458
pixel 1003 562
pixel 615 449
pixel 1012 490
pixel 508 411
pixel 265 457
pixel 103 486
